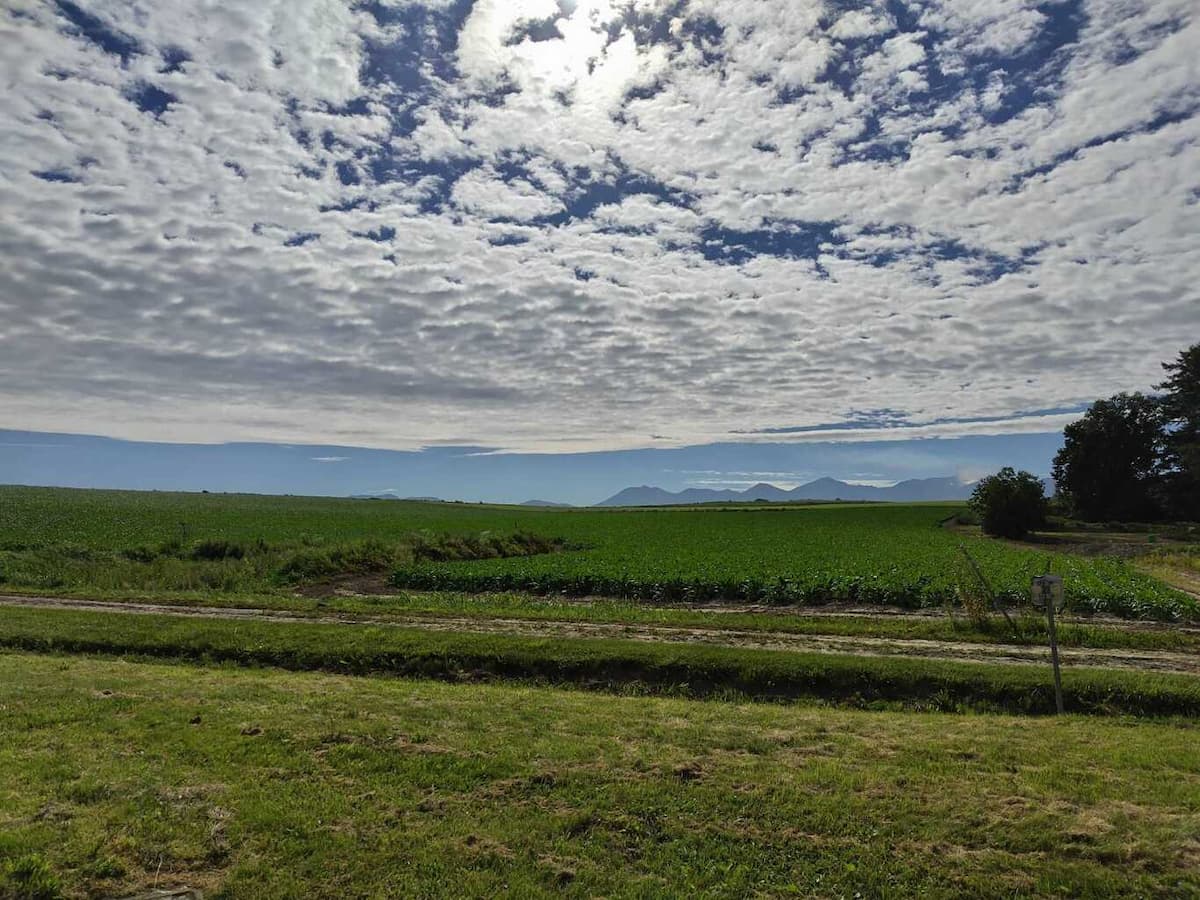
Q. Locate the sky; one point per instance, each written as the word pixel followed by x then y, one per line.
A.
pixel 591 229
pixel 480 474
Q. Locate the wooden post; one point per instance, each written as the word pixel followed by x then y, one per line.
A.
pixel 1058 703
pixel 1048 590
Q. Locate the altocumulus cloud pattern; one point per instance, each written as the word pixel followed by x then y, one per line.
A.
pixel 568 225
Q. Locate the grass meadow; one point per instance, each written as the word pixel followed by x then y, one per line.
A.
pixel 119 775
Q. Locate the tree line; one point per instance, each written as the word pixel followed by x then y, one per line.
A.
pixel 1132 457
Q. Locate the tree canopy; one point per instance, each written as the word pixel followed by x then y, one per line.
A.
pixel 1111 459
pixel 1137 457
pixel 1009 504
pixel 1181 410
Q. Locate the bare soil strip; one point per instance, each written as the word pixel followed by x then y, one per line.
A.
pixel 1142 660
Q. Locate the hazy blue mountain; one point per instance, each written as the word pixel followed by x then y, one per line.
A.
pixel 647 495
pixel 546 503
pixel 764 491
pixel 948 488
pixel 392 495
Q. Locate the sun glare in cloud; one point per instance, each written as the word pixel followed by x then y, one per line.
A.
pixel 547 46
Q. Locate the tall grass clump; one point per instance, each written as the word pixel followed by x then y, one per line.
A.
pixel 29 878
pixel 351 558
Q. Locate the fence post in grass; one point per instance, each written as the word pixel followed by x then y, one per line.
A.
pixel 1047 592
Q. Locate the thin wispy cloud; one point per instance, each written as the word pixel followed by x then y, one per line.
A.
pixel 565 226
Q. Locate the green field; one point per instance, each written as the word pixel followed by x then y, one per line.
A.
pixel 110 541
pixel 896 555
pixel 432 743
pixel 118 776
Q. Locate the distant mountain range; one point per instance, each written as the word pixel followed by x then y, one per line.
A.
pixel 949 488
pixel 392 495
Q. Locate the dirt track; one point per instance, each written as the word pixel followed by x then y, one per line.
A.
pixel 1145 660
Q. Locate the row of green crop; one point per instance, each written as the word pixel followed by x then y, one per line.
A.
pixel 896 555
pixel 865 589
pixel 606 664
pixel 1142 601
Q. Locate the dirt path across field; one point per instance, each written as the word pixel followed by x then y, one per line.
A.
pixel 1144 660
pixel 377 586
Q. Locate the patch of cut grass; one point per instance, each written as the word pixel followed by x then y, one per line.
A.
pixel 1179 568
pixel 268 784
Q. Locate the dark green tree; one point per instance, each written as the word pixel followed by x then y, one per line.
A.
pixel 1111 464
pixel 1009 504
pixel 1181 409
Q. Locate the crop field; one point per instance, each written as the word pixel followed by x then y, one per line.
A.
pixel 896 555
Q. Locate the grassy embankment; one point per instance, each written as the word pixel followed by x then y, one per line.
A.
pixel 116 776
pixel 607 664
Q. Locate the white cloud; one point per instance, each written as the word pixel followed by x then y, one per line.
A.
pixel 192 274
pixel 860 23
pixel 484 193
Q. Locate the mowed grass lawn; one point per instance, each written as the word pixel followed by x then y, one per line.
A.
pixel 253 783
pixel 101 541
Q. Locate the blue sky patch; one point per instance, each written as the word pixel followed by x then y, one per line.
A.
pixel 97 31
pixel 151 100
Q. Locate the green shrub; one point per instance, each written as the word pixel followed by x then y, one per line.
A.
pixel 455 548
pixel 142 554
pixel 213 549
pixel 359 557
pixel 1009 504
pixel 171 547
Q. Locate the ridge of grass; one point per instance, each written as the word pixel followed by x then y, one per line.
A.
pixel 614 665
pixel 228 566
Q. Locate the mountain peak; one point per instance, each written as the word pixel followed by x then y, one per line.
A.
pixel 939 488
